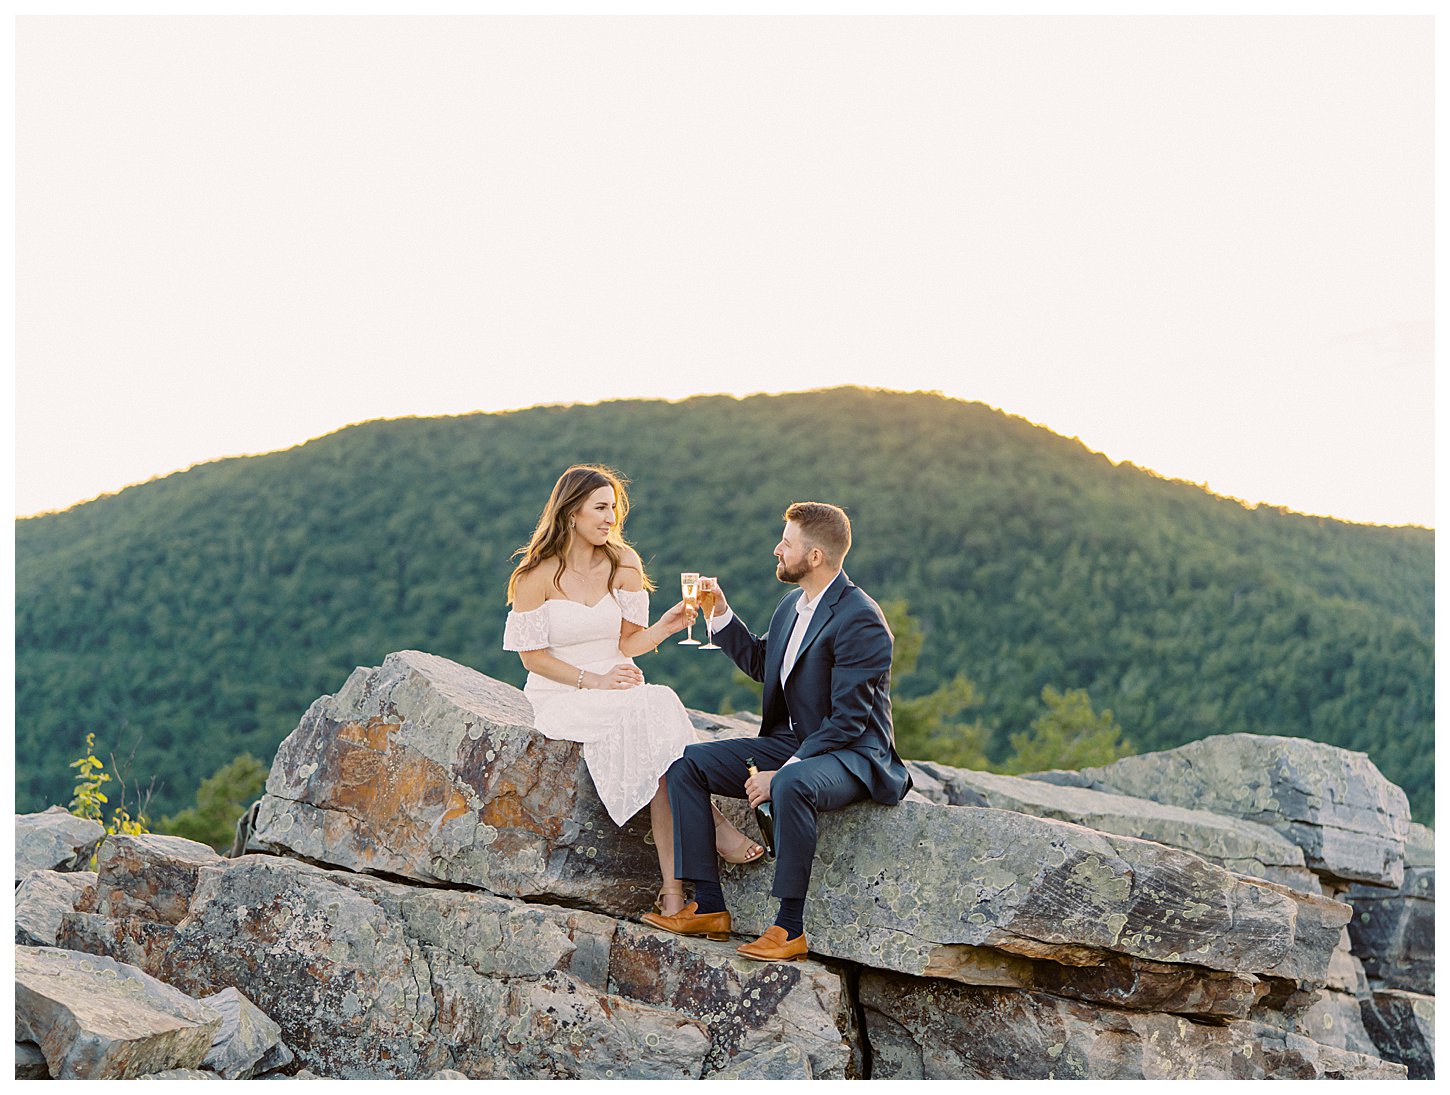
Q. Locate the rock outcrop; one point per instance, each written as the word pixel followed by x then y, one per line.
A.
pixel 1350 821
pixel 43 898
pixel 97 1019
pixel 442 892
pixel 54 840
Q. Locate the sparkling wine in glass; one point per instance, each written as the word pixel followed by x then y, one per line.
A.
pixel 689 591
pixel 707 606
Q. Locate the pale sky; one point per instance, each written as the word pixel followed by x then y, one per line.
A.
pixel 1202 245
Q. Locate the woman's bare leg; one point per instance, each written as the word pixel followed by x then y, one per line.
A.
pixel 662 823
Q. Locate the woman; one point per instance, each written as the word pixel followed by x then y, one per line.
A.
pixel 579 614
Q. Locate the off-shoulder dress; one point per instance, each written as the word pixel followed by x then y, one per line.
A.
pixel 630 735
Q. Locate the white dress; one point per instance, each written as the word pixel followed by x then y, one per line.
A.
pixel 630 735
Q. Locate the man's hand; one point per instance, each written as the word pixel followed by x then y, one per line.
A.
pixel 722 606
pixel 757 788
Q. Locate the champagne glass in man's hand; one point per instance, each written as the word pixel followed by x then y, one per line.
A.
pixel 706 594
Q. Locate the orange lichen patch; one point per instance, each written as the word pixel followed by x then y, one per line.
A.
pixel 373 734
pixel 504 810
pixel 509 808
pixel 400 796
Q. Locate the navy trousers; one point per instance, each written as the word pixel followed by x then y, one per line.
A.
pixel 797 793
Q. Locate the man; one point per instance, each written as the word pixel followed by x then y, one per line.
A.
pixel 825 734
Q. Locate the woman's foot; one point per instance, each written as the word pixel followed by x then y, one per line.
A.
pixel 671 899
pixel 733 845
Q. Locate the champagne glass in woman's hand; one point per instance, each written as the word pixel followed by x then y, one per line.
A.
pixel 709 590
pixel 689 591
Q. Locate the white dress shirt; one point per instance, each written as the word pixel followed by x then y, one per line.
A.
pixel 805 608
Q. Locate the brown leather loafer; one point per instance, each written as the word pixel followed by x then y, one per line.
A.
pixel 714 925
pixel 773 946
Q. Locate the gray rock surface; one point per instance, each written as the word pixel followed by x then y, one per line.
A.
pixel 1350 821
pixel 372 978
pixel 1334 1019
pixel 1245 847
pixel 884 895
pixel 927 1029
pixel 97 1019
pixel 54 840
pixel 1402 1025
pixel 30 1062
pixel 152 874
pixel 426 769
pixel 247 1043
pixel 43 898
pixel 1393 931
pixel 987 926
pixel 182 1074
pixel 780 1063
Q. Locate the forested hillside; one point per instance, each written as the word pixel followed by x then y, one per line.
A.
pixel 196 617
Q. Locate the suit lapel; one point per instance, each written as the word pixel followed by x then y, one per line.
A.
pixel 780 626
pixel 823 612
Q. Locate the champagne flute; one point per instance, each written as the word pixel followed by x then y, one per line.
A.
pixel 707 606
pixel 689 590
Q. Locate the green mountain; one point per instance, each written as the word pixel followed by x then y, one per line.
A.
pixel 195 617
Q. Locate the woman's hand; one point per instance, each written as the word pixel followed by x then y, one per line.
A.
pixel 678 618
pixel 622 675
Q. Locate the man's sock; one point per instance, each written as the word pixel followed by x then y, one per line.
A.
pixel 792 916
pixel 708 896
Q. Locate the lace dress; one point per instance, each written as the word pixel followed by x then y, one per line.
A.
pixel 630 735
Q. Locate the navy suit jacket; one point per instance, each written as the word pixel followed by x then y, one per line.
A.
pixel 839 690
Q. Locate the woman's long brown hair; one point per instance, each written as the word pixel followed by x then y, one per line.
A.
pixel 552 534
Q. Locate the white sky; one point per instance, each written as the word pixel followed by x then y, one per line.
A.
pixel 1203 245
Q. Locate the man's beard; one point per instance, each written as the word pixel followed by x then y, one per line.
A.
pixel 785 574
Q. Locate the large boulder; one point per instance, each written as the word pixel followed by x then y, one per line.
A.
pixel 98 1019
pixel 886 892
pixel 922 1028
pixel 43 898
pixel 152 875
pixel 1350 821
pixel 427 770
pixel 54 840
pixel 1245 847
pixel 374 978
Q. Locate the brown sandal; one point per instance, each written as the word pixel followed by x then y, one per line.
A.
pixel 752 852
pixel 668 891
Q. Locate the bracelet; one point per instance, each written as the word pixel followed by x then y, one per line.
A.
pixel 580 682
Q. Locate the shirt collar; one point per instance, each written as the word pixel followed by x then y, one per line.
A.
pixel 804 606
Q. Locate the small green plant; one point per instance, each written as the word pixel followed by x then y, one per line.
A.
pixel 90 801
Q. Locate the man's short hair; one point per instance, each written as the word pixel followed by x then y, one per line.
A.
pixel 824 526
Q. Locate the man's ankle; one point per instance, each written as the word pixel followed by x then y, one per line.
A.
pixel 792 916
pixel 709 898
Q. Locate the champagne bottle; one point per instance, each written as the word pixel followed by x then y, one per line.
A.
pixel 764 816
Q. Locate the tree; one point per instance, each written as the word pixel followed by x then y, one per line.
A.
pixel 220 800
pixel 929 727
pixel 1070 735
